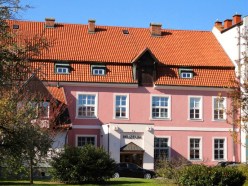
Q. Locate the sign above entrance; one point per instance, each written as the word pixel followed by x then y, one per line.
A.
pixel 132 136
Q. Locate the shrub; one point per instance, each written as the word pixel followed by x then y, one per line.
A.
pixel 197 175
pixel 170 168
pixel 229 176
pixel 86 164
pixel 201 175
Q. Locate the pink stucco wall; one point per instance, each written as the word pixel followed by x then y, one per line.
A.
pixel 139 112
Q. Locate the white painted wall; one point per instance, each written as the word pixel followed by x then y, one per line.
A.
pixel 234 46
pixel 116 140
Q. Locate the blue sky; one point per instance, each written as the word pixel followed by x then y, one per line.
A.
pixel 172 14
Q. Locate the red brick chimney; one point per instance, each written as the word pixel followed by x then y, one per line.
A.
pixel 91 26
pixel 236 19
pixel 227 23
pixel 50 22
pixel 218 24
pixel 155 29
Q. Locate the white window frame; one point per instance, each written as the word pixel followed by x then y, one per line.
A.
pixel 200 148
pixel 186 75
pixel 38 106
pixel 169 145
pixel 168 107
pixel 66 69
pixel 76 141
pixel 96 71
pixel 225 148
pixel 127 106
pixel 200 108
pixel 96 105
pixel 214 98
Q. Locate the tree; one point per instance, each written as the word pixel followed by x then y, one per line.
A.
pixel 86 164
pixel 22 140
pixel 238 113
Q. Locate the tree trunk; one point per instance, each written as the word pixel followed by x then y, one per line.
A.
pixel 31 179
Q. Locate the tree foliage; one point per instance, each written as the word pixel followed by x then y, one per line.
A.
pixel 86 164
pixel 22 140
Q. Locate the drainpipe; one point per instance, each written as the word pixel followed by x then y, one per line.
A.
pixel 108 138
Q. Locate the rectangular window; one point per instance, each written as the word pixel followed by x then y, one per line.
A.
pixel 219 148
pixel 219 106
pixel 84 140
pixel 98 70
pixel 161 148
pixel 121 106
pixel 195 148
pixel 186 74
pixel 41 109
pixel 86 106
pixel 195 108
pixel 160 107
pixel 62 68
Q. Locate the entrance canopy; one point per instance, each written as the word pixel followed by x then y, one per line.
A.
pixel 131 148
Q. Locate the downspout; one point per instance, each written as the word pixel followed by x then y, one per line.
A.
pixel 108 139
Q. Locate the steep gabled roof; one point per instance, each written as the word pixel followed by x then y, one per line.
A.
pixel 109 44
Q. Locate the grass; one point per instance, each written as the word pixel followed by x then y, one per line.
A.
pixel 112 182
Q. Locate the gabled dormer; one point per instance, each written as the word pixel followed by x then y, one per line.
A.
pixel 144 67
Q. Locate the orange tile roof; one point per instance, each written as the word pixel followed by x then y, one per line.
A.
pixel 57 93
pixel 174 49
pixel 109 44
pixel 207 77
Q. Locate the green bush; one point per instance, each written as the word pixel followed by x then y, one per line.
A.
pixel 229 176
pixel 170 168
pixel 86 164
pixel 201 175
pixel 195 175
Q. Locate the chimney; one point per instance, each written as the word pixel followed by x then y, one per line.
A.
pixel 50 22
pixel 236 19
pixel 227 23
pixel 155 29
pixel 218 24
pixel 91 26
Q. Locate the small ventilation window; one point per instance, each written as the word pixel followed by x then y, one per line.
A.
pixel 186 73
pixel 15 26
pixel 62 68
pixel 99 70
pixel 125 31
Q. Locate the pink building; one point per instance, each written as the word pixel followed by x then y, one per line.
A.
pixel 141 93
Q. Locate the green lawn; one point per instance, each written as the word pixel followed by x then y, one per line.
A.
pixel 112 182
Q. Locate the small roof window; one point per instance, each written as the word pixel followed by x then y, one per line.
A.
pixel 15 26
pixel 186 73
pixel 99 70
pixel 62 68
pixel 125 32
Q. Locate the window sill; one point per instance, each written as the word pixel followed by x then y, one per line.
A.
pixel 195 160
pixel 196 120
pixel 86 118
pixel 219 120
pixel 62 73
pixel 121 118
pixel 160 119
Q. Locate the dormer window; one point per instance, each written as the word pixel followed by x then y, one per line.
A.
pixel 98 70
pixel 62 68
pixel 186 73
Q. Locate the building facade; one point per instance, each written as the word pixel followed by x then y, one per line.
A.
pixel 143 94
pixel 232 35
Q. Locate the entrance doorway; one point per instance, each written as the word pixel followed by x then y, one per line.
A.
pixel 132 158
pixel 132 153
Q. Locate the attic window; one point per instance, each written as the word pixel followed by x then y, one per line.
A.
pixel 186 73
pixel 62 68
pixel 99 70
pixel 125 32
pixel 15 26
